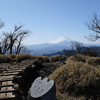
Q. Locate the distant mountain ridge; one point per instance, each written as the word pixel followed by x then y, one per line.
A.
pixel 51 47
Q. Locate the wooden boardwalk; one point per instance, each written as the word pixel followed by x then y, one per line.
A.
pixel 6 82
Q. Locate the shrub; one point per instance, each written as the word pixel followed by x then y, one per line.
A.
pixel 43 58
pixel 8 59
pixel 33 56
pixel 5 59
pixel 64 58
pixel 54 58
pixel 93 61
pixel 78 58
pixel 21 57
pixel 40 57
pixel 12 57
pixel 77 79
pixel 46 59
pixel 2 58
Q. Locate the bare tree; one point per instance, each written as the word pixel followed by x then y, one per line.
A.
pixel 1 24
pixel 13 39
pixel 92 51
pixel 76 46
pixel 94 25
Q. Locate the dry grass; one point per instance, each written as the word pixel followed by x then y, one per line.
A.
pixel 43 58
pixel 57 58
pixel 77 80
pixel 78 58
pixel 93 61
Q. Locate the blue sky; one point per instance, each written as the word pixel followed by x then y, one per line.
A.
pixel 49 20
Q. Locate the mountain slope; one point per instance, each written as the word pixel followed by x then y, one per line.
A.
pixel 52 47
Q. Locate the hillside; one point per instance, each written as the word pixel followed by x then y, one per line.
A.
pixel 76 78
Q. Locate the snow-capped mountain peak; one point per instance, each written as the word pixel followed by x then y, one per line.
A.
pixel 60 40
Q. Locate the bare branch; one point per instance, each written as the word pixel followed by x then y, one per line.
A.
pixel 15 38
pixel 76 45
pixel 1 24
pixel 94 25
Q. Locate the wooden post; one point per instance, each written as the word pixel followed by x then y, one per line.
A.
pixel 60 57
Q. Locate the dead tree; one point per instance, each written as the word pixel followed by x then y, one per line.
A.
pixel 15 38
pixel 92 51
pixel 94 25
pixel 76 46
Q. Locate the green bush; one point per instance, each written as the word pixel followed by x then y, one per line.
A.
pixel 77 78
pixel 93 61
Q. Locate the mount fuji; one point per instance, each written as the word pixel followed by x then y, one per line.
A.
pixel 61 40
pixel 51 47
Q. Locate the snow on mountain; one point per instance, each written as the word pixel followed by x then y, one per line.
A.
pixel 51 47
pixel 45 48
pixel 61 40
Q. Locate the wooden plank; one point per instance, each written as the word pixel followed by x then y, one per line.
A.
pixel 5 91
pixel 2 89
pixel 10 95
pixel 9 74
pixel 7 85
pixel 4 80
pixel 7 98
pixel 18 68
pixel 2 77
pixel 12 71
pixel 4 95
pixel 7 77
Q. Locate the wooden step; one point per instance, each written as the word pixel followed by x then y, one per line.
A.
pixel 2 77
pixel 4 80
pixel 7 85
pixel 12 71
pixel 9 74
pixel 5 91
pixel 7 97
pixel 18 68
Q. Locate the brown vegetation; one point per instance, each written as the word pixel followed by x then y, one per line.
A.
pixel 78 80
